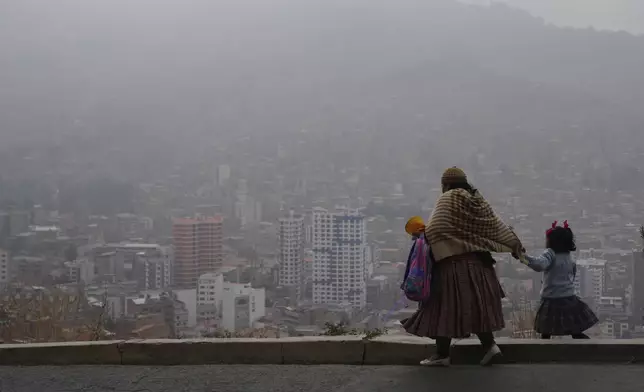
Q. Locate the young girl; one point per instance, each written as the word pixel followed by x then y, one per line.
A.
pixel 561 312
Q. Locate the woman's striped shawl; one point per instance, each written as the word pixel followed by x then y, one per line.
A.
pixel 463 222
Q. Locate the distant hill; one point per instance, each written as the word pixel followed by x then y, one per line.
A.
pixel 614 15
pixel 199 69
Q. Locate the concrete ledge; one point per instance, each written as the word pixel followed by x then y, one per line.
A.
pixel 201 352
pixel 344 350
pixel 570 351
pixel 73 353
pixel 404 350
pixel 341 350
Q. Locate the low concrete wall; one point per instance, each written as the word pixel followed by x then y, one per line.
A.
pixel 346 350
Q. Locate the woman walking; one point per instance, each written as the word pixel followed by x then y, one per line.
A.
pixel 466 295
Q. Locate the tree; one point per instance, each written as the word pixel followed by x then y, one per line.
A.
pixel 522 319
pixel 49 315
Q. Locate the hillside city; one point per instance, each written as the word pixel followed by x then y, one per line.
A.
pixel 208 171
pixel 287 256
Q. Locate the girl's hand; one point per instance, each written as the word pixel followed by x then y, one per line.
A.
pixel 520 256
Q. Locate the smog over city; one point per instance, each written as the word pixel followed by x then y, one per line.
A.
pixel 218 168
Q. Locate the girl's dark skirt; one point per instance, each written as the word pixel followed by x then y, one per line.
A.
pixel 465 299
pixel 564 316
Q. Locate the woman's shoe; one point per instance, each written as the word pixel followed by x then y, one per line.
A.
pixel 435 361
pixel 491 354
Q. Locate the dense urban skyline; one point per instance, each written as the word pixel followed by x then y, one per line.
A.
pixel 213 169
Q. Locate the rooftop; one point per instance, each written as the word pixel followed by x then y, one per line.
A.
pixel 592 262
pixel 135 245
pixel 193 221
pixel 40 229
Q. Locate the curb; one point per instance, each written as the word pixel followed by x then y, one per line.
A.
pixel 341 350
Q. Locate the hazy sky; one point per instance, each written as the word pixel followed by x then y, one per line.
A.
pixel 601 14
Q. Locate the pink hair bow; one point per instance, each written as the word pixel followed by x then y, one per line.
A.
pixel 554 226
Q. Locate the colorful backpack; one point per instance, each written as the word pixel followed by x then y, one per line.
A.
pixel 416 283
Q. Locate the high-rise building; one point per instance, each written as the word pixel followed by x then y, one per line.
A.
pixel 4 267
pixel 638 287
pixel 590 279
pixel 247 210
pixel 198 249
pixel 223 174
pixel 14 222
pixel 291 251
pixel 339 257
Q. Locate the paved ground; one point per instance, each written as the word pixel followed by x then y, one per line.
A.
pixel 240 378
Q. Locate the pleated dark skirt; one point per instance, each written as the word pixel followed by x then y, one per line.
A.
pixel 465 299
pixel 564 316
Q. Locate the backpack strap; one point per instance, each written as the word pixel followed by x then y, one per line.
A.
pixel 409 259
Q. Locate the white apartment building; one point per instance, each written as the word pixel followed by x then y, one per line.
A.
pixel 242 306
pixel 82 270
pixel 291 251
pixel 339 257
pixel 610 329
pixel 590 278
pixel 223 174
pixel 5 273
pixel 210 290
pixel 155 268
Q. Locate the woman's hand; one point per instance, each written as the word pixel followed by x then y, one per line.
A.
pixel 518 250
pixel 518 253
pixel 520 256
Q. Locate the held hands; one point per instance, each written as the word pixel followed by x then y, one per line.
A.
pixel 519 254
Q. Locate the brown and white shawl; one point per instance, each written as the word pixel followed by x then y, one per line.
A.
pixel 464 222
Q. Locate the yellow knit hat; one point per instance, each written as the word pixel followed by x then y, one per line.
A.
pixel 415 224
pixel 452 175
